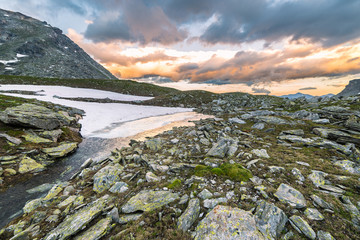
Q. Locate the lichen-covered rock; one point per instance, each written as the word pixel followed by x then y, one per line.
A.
pixel 54 191
pixel 154 144
pixel 296 172
pixel 129 217
pixel 96 232
pixel 270 220
pixel 106 177
pixel 205 194
pixel 151 177
pixel 224 222
pixel 319 202
pixel 32 205
pixel 349 166
pixel 261 153
pixel 52 135
pixel 190 215
pixel 31 115
pixel 148 200
pixel 291 196
pixel 30 165
pixel 119 187
pixel 77 221
pixel 317 177
pixel 302 226
pixel 324 235
pixel 62 150
pixel 313 214
pixel 33 138
pixel 211 203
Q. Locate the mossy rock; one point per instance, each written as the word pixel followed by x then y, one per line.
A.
pixel 176 184
pixel 235 172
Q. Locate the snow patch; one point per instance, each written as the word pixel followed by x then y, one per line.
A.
pixel 6 62
pixel 9 68
pixel 18 55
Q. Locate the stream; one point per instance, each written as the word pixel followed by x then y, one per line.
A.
pixel 105 126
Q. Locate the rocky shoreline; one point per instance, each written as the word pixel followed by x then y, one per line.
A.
pixel 34 135
pixel 263 168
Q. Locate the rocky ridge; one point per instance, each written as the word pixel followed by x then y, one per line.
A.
pixel 352 89
pixel 257 170
pixel 29 47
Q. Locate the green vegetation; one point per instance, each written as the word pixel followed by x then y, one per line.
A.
pixel 176 184
pixel 234 172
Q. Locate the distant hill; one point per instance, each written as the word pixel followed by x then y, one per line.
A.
pixel 29 47
pixel 352 89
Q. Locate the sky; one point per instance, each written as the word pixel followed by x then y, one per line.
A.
pixel 260 46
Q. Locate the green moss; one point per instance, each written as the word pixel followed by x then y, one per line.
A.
pixel 235 172
pixel 176 184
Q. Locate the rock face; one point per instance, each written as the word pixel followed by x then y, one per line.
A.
pixel 225 222
pixel 30 115
pixel 149 200
pixel 352 89
pixel 30 47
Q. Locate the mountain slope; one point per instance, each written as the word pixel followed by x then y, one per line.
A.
pixel 297 95
pixel 352 89
pixel 29 47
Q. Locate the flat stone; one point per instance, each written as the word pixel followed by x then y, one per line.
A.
pixel 319 202
pixel 261 153
pixel 148 200
pixel 30 165
pixel 333 189
pixel 291 196
pixel 106 177
pixel 129 218
pixel 322 235
pixel 205 194
pixel 189 216
pixel 96 232
pixel 270 220
pixel 74 223
pixel 31 115
pixel 302 226
pixel 154 144
pixel 119 187
pixel 236 120
pixel 60 151
pixel 296 172
pixel 313 214
pixel 271 120
pixel 13 140
pixel 151 177
pixel 33 138
pixel 7 158
pixel 259 126
pixel 224 222
pixel 296 132
pixel 52 135
pixel 211 203
pixel 32 205
pixel 348 166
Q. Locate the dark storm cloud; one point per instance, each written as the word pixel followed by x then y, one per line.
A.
pixel 308 88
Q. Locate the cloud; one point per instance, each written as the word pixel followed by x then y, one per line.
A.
pixel 308 88
pixel 260 90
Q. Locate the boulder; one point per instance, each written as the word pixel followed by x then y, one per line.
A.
pixel 30 165
pixel 302 226
pixel 148 200
pixel 190 215
pixel 225 222
pixel 317 178
pixel 261 153
pixel 74 223
pixel 96 232
pixel 291 196
pixel 31 115
pixel 348 166
pixel 313 214
pixel 119 187
pixel 62 150
pixel 106 177
pixel 270 220
pixel 33 138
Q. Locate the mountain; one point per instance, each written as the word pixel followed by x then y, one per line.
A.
pixel 297 95
pixel 352 89
pixel 29 47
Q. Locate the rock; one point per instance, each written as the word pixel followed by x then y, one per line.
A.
pixel 221 148
pixel 96 232
pixel 224 222
pixel 333 189
pixel 74 223
pixel 324 235
pixel 329 133
pixel 154 144
pixel 190 215
pixel 313 214
pixel 148 200
pixel 129 218
pixel 60 151
pixel 317 178
pixel 106 177
pixel 261 153
pixel 236 120
pixel 119 187
pixel 52 135
pixel 296 139
pixel 302 226
pixel 205 194
pixel 41 188
pixel 353 123
pixel 296 132
pixel 31 115
pixel 13 140
pixel 9 172
pixel 276 169
pixel 32 205
pixel 321 121
pixel 270 220
pixel 271 120
pixel 290 195
pixel 29 165
pixel 211 203
pixel 67 201
pixel 54 191
pixel 184 199
pixel 33 138
pixel 349 166
pixel 259 126
pixel 320 202
pixel 151 177
pixel 296 172
pixel 289 235
pixel 114 214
